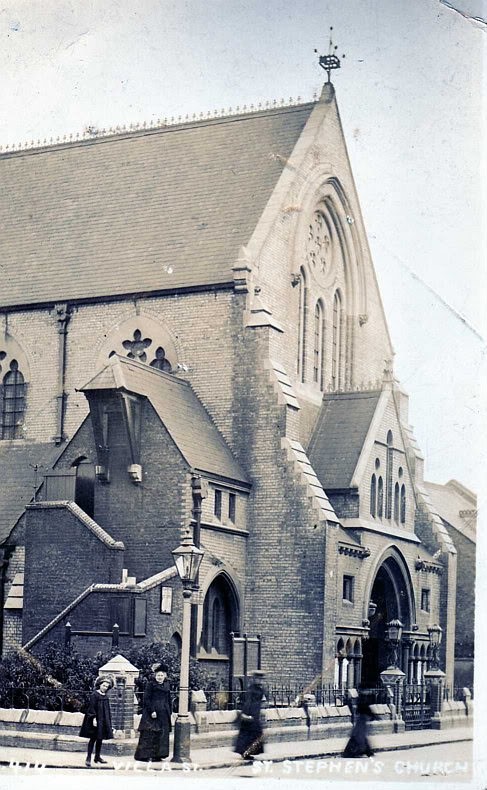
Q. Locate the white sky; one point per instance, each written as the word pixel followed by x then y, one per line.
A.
pixel 409 95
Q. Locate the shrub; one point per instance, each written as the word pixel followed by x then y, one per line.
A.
pixel 59 678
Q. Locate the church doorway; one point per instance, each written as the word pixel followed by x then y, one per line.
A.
pixel 220 617
pixel 390 599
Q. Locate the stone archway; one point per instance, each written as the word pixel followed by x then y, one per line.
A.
pixel 220 616
pixel 392 596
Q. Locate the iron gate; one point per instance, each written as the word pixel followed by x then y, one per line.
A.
pixel 416 708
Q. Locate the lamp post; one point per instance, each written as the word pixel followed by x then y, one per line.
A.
pixel 393 677
pixel 435 633
pixel 434 677
pixel 187 559
pixel 394 634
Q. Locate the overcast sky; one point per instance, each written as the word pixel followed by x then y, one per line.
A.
pixel 409 95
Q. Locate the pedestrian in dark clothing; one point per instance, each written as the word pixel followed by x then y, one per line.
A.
pixel 97 721
pixel 250 739
pixel 155 723
pixel 358 744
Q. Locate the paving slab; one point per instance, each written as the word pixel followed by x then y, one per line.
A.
pixel 224 757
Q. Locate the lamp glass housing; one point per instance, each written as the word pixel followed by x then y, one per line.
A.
pixel 394 630
pixel 435 633
pixel 187 559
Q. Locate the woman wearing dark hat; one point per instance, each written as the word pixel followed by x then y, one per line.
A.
pixel 250 739
pixel 155 722
pixel 97 721
pixel 358 744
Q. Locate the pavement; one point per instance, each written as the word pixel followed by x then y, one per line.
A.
pixel 204 759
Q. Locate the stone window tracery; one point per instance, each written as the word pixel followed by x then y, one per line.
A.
pixel 137 346
pixel 143 339
pixel 318 245
pixel 160 362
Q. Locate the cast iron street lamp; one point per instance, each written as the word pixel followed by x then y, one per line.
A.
pixel 187 559
pixel 435 632
pixel 394 634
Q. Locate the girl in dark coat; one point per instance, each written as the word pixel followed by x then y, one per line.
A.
pixel 97 721
pixel 155 723
pixel 358 744
pixel 250 739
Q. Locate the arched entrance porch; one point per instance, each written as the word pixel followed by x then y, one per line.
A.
pixel 391 597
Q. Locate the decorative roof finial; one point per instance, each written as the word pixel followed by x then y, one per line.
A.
pixel 331 61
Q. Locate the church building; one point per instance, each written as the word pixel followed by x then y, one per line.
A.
pixel 189 313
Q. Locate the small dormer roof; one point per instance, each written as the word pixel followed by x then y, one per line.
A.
pixel 180 411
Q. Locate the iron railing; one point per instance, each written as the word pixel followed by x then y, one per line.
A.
pixel 456 692
pixel 44 698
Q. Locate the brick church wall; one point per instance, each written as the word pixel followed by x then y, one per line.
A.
pixel 465 600
pixel 287 544
pixel 63 558
pixel 148 517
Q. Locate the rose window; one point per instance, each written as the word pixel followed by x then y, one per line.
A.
pixel 319 247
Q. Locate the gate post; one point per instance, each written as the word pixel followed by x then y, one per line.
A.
pixel 394 678
pixel 124 675
pixel 434 678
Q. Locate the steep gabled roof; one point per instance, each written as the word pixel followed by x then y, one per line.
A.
pixel 456 505
pixel 179 409
pixel 339 436
pixel 141 212
pixel 17 477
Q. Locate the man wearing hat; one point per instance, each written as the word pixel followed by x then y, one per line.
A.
pixel 250 739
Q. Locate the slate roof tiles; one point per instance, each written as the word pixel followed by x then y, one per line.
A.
pixel 17 476
pixel 138 213
pixel 339 436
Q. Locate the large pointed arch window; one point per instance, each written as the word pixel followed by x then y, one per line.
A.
pixel 319 345
pixel 389 460
pixel 302 324
pixel 13 402
pixel 337 341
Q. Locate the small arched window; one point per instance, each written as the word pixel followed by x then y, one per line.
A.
pixel 302 324
pixel 336 353
pixel 389 462
pixel 318 350
pixel 380 498
pixel 13 402
pixel 373 496
pixel 396 502
pixel 403 504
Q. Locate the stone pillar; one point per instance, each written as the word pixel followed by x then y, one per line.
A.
pixel 124 675
pixel 407 645
pixel 350 671
pixel 435 678
pixel 357 670
pixel 394 678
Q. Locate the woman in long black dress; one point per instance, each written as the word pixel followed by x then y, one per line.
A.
pixel 97 721
pixel 155 723
pixel 358 744
pixel 250 739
